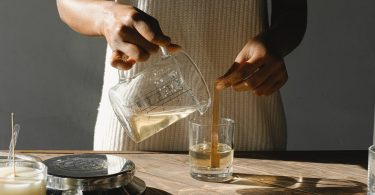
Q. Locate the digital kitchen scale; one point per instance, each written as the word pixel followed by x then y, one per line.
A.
pixel 92 174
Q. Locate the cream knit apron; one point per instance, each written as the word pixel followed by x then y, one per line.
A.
pixel 212 32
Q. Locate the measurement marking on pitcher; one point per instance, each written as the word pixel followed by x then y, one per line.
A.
pixel 168 100
pixel 167 83
pixel 165 91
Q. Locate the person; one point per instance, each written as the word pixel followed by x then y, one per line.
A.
pixel 216 34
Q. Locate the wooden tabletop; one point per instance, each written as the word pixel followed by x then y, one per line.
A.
pixel 259 173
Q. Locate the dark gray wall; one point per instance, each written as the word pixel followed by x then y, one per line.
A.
pixel 330 96
pixel 51 78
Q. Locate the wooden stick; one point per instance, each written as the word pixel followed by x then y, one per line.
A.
pixel 214 157
pixel 14 146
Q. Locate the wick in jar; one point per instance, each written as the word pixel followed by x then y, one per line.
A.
pixel 13 144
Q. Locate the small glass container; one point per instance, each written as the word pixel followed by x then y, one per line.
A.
pixel 371 170
pixel 200 149
pixel 30 177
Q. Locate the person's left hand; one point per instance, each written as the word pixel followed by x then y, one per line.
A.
pixel 255 69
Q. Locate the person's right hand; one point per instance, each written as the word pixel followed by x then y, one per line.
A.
pixel 132 35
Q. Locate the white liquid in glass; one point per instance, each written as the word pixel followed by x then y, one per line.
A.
pixel 28 181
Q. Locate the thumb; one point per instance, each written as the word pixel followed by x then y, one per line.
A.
pixel 228 78
pixel 255 56
pixel 243 67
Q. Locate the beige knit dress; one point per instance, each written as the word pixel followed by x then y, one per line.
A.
pixel 212 32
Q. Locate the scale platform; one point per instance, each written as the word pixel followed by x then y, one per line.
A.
pixel 92 174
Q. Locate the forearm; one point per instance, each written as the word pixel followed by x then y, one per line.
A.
pixel 288 26
pixel 84 16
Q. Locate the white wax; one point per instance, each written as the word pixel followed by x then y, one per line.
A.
pixel 28 181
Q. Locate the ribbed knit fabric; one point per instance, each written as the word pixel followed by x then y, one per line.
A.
pixel 212 32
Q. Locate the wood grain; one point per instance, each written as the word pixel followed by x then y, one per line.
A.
pixel 166 173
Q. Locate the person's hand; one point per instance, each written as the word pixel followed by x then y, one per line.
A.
pixel 132 35
pixel 255 69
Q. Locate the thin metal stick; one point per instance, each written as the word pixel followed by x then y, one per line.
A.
pixel 17 128
pixel 14 145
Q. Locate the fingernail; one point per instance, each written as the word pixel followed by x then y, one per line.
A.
pixel 220 85
pixel 131 61
pixel 173 47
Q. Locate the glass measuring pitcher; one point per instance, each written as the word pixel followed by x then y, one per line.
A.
pixel 159 95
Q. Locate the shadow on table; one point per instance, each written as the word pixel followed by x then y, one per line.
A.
pixel 154 191
pixel 278 185
pixel 353 157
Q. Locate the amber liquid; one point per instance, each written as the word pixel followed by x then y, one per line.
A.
pixel 147 124
pixel 200 156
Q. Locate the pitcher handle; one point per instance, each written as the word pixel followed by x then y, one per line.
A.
pixel 164 54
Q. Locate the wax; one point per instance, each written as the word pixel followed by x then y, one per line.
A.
pixel 28 181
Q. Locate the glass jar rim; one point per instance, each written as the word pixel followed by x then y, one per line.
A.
pixel 40 167
pixel 206 121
